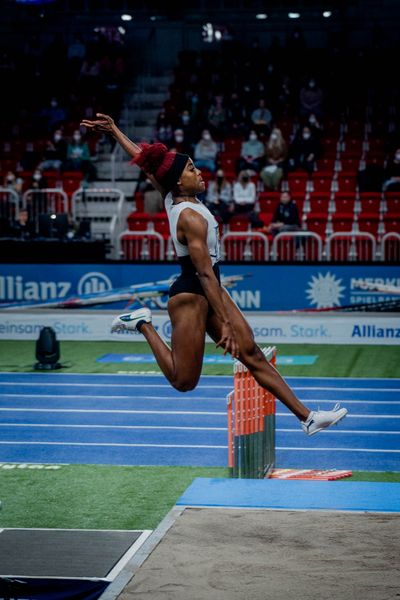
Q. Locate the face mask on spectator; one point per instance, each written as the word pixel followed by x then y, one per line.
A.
pixel 306 136
pixel 312 84
pixel 37 176
pixel 253 137
pixel 76 137
pixel 185 119
pixel 57 137
pixel 10 179
pixel 54 103
pixel 206 136
pixel 397 156
pixel 273 137
pixel 245 178
pixel 179 138
pixel 312 119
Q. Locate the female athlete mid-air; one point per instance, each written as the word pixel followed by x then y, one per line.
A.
pixel 198 304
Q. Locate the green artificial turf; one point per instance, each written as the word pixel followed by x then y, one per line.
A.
pixel 105 497
pixel 333 360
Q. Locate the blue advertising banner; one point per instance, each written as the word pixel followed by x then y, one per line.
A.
pixel 263 287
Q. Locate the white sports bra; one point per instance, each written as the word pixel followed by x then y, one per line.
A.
pixel 174 211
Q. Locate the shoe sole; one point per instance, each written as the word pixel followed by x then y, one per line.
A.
pixel 330 424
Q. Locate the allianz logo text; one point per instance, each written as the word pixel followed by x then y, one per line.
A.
pixel 17 288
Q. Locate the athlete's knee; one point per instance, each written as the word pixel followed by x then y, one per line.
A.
pixel 184 384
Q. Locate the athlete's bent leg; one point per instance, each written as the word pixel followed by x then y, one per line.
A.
pixel 253 358
pixel 182 363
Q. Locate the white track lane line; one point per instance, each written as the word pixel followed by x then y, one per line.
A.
pixel 179 399
pixel 204 387
pixel 105 411
pixel 177 428
pixel 197 447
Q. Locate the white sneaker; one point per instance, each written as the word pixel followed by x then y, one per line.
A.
pixel 129 321
pixel 320 419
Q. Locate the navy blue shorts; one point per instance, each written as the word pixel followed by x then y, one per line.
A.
pixel 189 283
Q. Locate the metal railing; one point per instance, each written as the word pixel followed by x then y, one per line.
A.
pixel 9 205
pixel 390 247
pixel 244 246
pixel 46 201
pixel 141 245
pixel 351 246
pixel 298 246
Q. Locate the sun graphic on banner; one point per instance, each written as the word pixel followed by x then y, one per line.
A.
pixel 325 290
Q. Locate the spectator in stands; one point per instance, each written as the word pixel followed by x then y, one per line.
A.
pixel 276 154
pixel 164 132
pixel 153 202
pixel 179 143
pixel 219 197
pixel 285 97
pixel 251 154
pixel 217 116
pixel 76 53
pixel 311 99
pixel 304 151
pixel 38 181
pixel 12 182
pixel 392 174
pixel 78 157
pixel 55 152
pixel 236 115
pixel 244 194
pixel 261 117
pixel 29 158
pixel 286 216
pixel 245 197
pixel 315 125
pixel 205 152
pixel 190 131
pixel 23 227
pixel 55 115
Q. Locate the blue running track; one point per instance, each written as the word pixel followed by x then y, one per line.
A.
pixel 141 420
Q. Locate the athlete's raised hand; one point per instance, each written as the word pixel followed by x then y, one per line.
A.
pixel 103 123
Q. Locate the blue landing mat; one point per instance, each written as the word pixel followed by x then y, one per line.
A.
pixel 293 495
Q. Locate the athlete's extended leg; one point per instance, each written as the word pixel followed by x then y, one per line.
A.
pixel 253 358
pixel 182 363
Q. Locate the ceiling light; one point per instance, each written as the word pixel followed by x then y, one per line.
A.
pixel 126 17
pixel 327 14
pixel 261 16
pixel 294 15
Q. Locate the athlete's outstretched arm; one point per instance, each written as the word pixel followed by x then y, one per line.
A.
pixel 193 228
pixel 106 124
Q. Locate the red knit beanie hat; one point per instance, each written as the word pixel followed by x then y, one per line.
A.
pixel 166 166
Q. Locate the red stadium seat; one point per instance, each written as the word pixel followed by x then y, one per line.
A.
pixel 346 182
pixel 138 221
pixel 297 182
pixel 318 206
pixel 317 224
pixel 268 201
pixel 371 204
pixel 393 206
pixel 321 184
pixel 392 224
pixel 342 222
pixel 344 204
pixel 326 164
pixel 369 224
pixel 239 223
pixel 349 165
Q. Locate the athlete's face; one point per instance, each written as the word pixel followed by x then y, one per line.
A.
pixel 190 181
